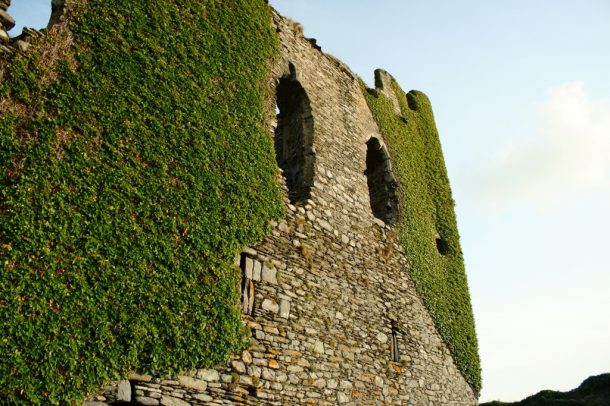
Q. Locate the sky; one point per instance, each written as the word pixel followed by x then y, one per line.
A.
pixel 521 96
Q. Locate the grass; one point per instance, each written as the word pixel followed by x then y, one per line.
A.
pixel 134 165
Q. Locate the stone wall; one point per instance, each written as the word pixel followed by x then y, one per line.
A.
pixel 381 182
pixel 6 24
pixel 333 313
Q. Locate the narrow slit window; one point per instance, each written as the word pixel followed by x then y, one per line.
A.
pixel 247 285
pixel 394 348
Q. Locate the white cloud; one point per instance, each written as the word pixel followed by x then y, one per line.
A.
pixel 568 155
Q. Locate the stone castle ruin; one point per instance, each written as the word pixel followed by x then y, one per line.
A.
pixel 328 297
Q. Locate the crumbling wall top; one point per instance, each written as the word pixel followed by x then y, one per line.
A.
pixel 9 46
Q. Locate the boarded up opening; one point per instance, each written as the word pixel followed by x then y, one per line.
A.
pixel 247 285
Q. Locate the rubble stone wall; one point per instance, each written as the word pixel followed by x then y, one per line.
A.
pixel 333 313
pixel 327 286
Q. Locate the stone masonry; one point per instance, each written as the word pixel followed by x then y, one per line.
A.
pixel 333 313
pixel 334 316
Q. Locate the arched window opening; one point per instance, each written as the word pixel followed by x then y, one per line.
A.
pixel 294 137
pixel 381 182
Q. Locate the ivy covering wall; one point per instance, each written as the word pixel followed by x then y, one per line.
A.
pixel 133 168
pixel 427 224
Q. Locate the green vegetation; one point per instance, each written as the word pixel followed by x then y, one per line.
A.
pixel 594 391
pixel 133 168
pixel 427 215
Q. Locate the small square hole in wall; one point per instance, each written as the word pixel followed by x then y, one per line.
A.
pixel 442 246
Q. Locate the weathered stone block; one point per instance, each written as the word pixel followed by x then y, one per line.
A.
pixel 254 370
pixel 256 271
pixel 246 357
pixel 270 306
pixel 268 375
pixel 203 397
pixel 193 383
pixel 238 367
pixel 4 37
pixel 146 401
pixel 248 267
pixel 172 401
pixel 318 347
pixel 124 391
pixel 209 375
pixel 6 20
pixel 269 274
pixel 284 308
pixel 342 397
pixel 21 46
pixel 134 376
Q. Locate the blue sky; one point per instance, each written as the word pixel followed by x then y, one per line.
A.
pixel 521 96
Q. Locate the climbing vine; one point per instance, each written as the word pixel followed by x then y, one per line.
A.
pixel 133 168
pixel 428 227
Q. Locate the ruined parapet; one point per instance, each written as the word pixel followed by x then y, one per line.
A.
pixel 57 11
pixel 383 83
pixel 9 46
pixel 6 24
